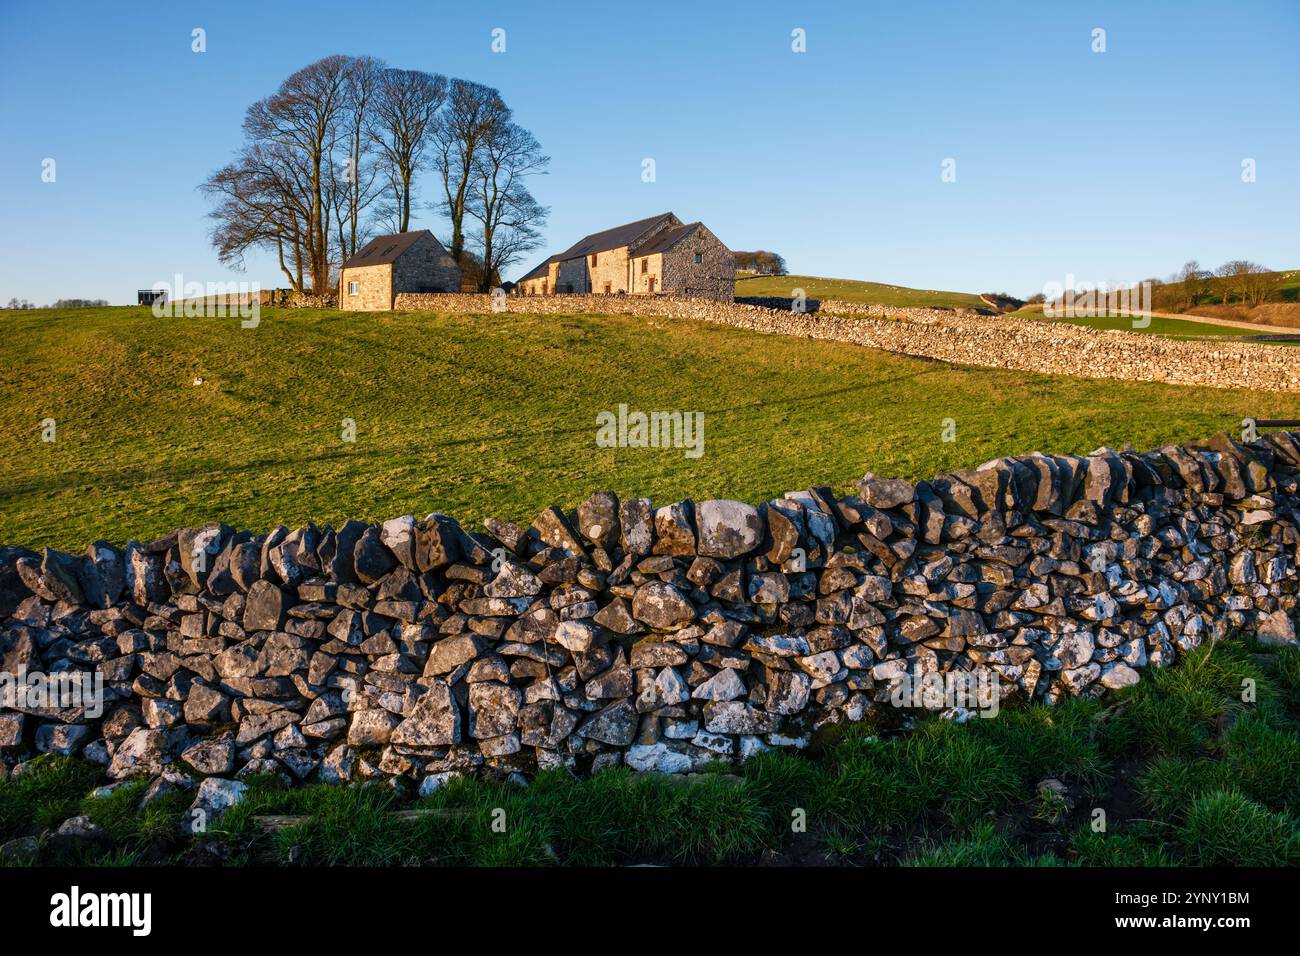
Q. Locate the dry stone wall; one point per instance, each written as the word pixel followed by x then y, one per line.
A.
pixel 966 337
pixel 660 636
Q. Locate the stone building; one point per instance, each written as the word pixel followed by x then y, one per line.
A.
pixel 387 265
pixel 656 256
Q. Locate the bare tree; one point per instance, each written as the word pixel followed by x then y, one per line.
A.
pixel 360 176
pixel 761 261
pixel 338 149
pixel 300 119
pixel 1257 282
pixel 473 112
pixel 261 203
pixel 1233 279
pixel 508 217
pixel 1190 283
pixel 403 121
pixel 1270 285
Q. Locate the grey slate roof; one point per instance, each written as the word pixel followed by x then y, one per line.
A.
pixel 662 242
pixel 614 238
pixel 611 238
pixel 384 249
pixel 538 270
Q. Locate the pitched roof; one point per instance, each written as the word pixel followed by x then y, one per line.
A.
pixel 612 238
pixel 616 238
pixel 539 270
pixel 384 249
pixel 663 241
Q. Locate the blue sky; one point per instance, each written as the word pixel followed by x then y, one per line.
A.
pixel 1110 166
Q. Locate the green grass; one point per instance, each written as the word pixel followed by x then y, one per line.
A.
pixel 494 415
pixel 854 290
pixel 1187 329
pixel 46 795
pixel 1225 828
pixel 1140 847
pixel 1178 711
pixel 984 846
pixel 1159 325
pixel 938 794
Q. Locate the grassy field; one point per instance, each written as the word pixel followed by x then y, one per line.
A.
pixel 1186 773
pixel 161 423
pixel 1159 325
pixel 1280 311
pixel 854 290
pixel 484 415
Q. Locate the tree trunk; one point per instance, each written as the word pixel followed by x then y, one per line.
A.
pixel 457 213
pixel 354 197
pixel 279 248
pixel 485 283
pixel 317 236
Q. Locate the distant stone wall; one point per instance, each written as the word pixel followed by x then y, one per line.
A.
pixel 836 307
pixel 965 337
pixel 662 637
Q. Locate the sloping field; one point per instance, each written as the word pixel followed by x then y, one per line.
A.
pixel 1167 325
pixel 854 290
pixel 478 415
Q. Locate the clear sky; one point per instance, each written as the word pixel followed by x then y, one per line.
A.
pixel 1105 166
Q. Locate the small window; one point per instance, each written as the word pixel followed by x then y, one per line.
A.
pixel 354 288
pixel 698 258
pixel 593 260
pixel 644 263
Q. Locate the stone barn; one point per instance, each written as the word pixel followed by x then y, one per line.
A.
pixel 656 256
pixel 387 265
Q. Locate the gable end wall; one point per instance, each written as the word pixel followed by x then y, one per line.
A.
pixel 714 277
pixel 426 267
pixel 374 292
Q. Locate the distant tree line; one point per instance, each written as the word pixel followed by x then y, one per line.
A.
pixel 58 304
pixel 344 150
pixel 1238 280
pixel 1002 301
pixel 764 263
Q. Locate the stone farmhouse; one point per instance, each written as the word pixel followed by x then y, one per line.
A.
pixel 656 256
pixel 387 265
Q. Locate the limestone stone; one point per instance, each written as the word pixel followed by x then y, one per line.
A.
pixel 728 529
